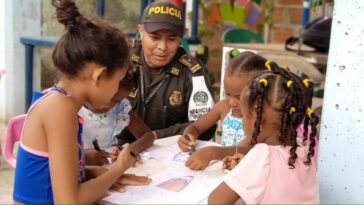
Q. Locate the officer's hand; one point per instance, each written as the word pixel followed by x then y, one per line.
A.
pixel 186 142
pixel 200 159
pixel 93 157
pixel 230 162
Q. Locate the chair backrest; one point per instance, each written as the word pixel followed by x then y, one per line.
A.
pixel 12 135
pixel 239 35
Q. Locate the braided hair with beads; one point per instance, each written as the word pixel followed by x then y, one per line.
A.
pixel 291 97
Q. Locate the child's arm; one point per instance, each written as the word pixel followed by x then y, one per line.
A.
pixel 202 157
pixel 61 133
pixel 223 194
pixel 125 179
pixel 194 130
pixel 232 160
pixel 141 131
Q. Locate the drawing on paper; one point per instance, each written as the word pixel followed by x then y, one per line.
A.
pixel 180 157
pixel 176 184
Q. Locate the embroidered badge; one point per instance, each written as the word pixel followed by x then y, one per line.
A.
pixel 200 98
pixel 133 93
pixel 134 58
pixel 175 71
pixel 176 98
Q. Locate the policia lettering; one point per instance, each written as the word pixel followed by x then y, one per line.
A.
pixel 165 10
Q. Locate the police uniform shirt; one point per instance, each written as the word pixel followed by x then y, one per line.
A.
pixel 163 102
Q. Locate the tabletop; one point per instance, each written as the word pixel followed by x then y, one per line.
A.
pixel 172 182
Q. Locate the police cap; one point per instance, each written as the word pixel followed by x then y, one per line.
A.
pixel 163 15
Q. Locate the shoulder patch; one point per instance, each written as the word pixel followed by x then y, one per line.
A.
pixel 190 62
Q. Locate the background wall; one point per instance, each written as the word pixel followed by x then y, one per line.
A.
pixel 341 169
pixel 19 18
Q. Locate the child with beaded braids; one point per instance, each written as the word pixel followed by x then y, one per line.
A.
pixel 303 130
pixel 277 169
pixel 91 58
pixel 242 67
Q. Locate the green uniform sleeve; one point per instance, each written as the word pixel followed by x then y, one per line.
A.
pixel 176 129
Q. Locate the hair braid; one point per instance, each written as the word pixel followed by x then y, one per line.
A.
pixel 313 122
pixel 292 151
pixel 260 103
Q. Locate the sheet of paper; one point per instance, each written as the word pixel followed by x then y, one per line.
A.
pixel 170 186
pixel 173 153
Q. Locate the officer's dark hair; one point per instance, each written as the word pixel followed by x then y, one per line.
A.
pixel 245 62
pixel 130 81
pixel 86 40
pixel 289 95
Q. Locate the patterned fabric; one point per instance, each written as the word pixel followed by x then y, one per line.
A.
pixel 104 126
pixel 232 130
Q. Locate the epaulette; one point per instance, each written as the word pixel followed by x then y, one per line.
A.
pixel 190 63
pixel 135 47
pixel 131 42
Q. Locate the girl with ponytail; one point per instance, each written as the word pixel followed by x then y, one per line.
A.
pixel 91 58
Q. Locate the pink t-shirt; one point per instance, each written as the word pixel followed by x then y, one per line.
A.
pixel 264 176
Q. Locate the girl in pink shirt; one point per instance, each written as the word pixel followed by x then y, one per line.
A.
pixel 277 169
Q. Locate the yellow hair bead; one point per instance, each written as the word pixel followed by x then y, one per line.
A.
pixel 289 83
pixel 309 112
pixel 267 65
pixel 264 81
pixel 306 82
pixel 292 110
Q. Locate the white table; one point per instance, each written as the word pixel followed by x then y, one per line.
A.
pixel 167 176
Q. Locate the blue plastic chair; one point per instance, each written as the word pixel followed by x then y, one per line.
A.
pixel 239 35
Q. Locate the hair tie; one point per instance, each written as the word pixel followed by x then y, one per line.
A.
pixel 235 52
pixel 309 112
pixel 264 81
pixel 306 82
pixel 292 110
pixel 289 83
pixel 267 65
pixel 284 67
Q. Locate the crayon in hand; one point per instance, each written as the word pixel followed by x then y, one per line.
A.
pixel 133 154
pixel 193 147
pixel 96 145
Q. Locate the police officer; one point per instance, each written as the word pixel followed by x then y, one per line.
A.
pixel 166 72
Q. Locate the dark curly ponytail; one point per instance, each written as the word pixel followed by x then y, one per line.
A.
pixel 87 40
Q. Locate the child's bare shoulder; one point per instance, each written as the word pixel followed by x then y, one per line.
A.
pixel 57 105
pixel 222 107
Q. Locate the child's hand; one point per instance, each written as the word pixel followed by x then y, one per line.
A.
pixel 114 153
pixel 125 158
pixel 200 159
pixel 230 162
pixel 130 179
pixel 186 142
pixel 93 157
